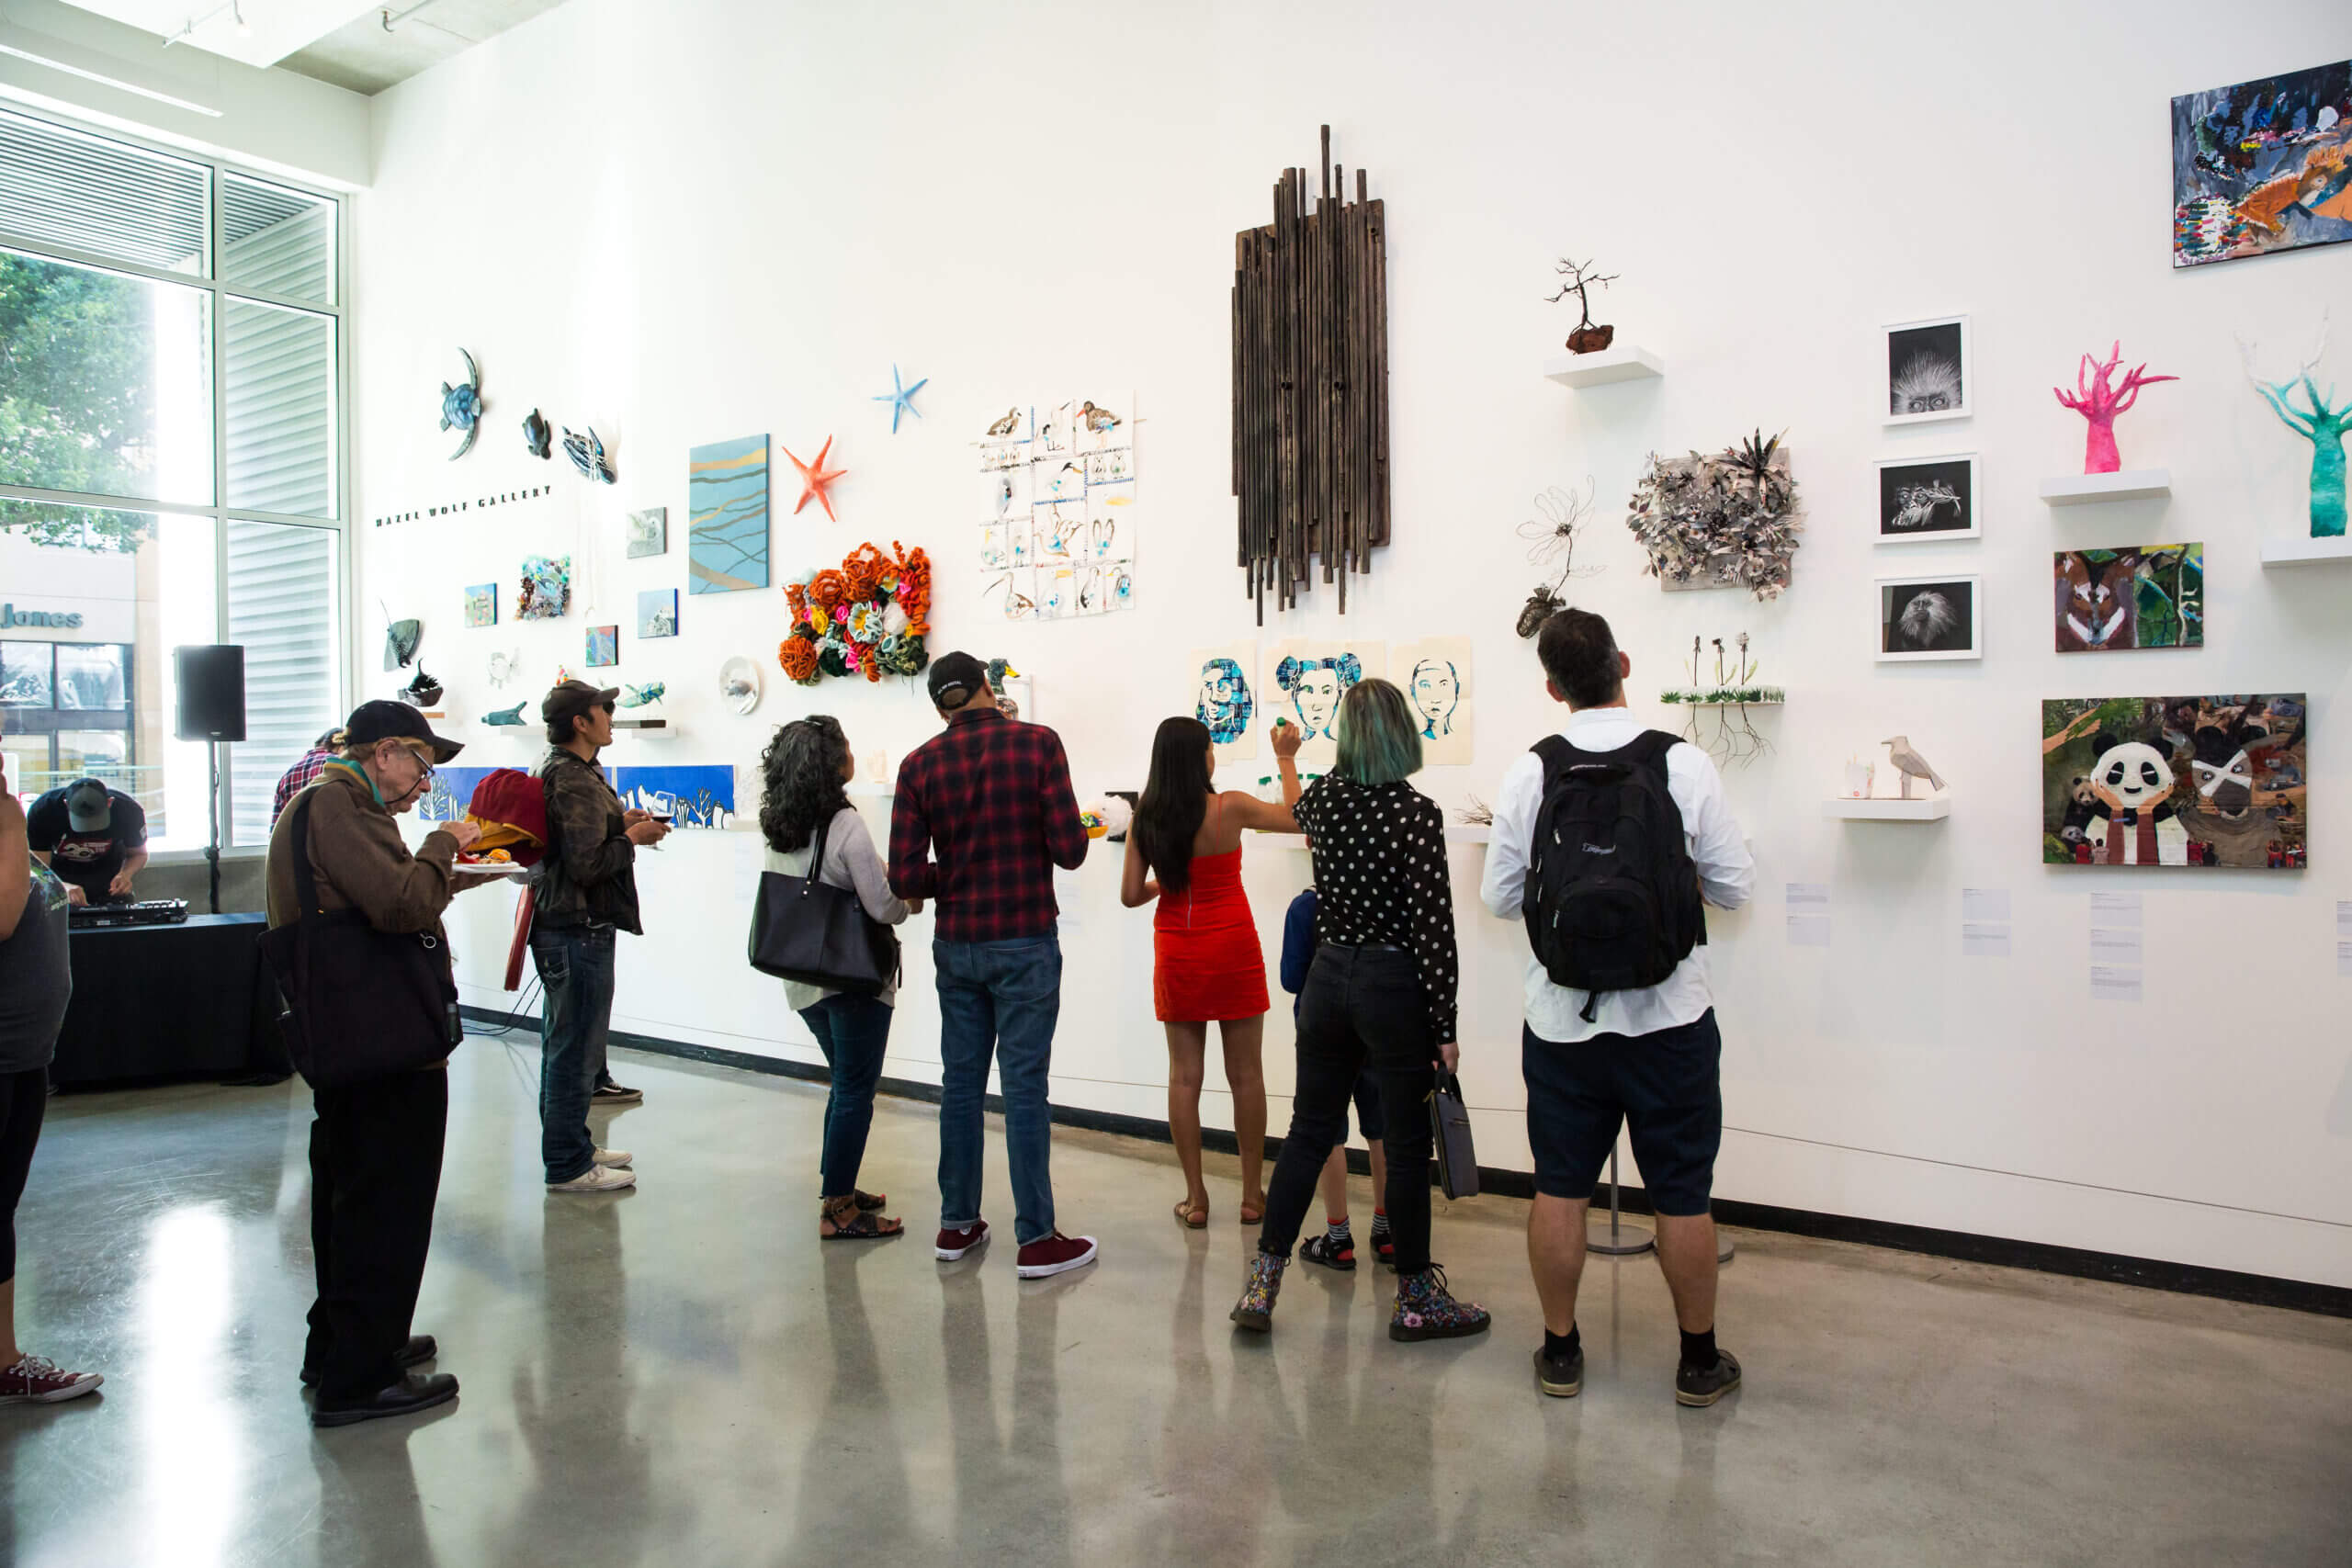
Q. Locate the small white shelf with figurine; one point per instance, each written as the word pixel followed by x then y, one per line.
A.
pixel 1887 808
pixel 2130 484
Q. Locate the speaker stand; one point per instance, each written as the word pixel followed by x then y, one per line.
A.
pixel 1620 1237
pixel 212 814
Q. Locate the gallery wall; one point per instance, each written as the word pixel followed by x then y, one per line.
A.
pixel 688 223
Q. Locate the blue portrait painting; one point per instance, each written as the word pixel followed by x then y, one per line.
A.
pixel 1225 703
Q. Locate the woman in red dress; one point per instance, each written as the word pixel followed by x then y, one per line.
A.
pixel 1184 850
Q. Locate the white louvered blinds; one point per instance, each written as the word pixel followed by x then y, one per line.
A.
pixel 282 608
pixel 101 197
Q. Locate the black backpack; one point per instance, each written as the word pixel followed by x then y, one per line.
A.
pixel 1612 895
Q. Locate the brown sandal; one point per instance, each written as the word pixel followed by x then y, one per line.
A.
pixel 843 1220
pixel 1253 1213
pixel 1191 1216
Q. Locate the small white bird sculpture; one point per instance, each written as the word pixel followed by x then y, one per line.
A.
pixel 1909 763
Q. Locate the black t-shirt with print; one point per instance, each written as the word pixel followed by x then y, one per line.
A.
pixel 89 860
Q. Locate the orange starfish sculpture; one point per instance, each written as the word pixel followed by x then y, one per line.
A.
pixel 814 477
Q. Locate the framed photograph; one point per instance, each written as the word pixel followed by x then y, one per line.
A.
pixel 1926 498
pixel 1929 617
pixel 1928 371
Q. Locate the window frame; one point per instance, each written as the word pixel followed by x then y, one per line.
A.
pixel 219 509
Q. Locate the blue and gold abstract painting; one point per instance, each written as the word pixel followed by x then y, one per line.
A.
pixel 727 512
pixel 690 797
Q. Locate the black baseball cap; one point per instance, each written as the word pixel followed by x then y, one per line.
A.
pixel 956 671
pixel 566 698
pixel 380 721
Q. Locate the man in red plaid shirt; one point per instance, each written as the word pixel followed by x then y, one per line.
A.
pixel 984 812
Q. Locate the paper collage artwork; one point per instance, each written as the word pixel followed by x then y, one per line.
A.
pixel 1434 674
pixel 1057 520
pixel 1225 697
pixel 1303 680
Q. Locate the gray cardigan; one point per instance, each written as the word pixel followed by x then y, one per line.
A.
pixel 850 862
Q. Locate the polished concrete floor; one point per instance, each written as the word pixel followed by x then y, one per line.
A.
pixel 682 1375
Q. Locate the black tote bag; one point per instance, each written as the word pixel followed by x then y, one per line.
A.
pixel 1457 1160
pixel 803 929
pixel 356 1003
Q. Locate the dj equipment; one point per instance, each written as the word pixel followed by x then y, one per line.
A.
pixel 146 912
pixel 211 709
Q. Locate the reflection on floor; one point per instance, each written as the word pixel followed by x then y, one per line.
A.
pixel 683 1375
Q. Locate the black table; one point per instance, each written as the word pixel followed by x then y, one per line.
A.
pixel 188 999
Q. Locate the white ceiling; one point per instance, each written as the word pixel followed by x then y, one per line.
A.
pixel 341 41
pixel 273 29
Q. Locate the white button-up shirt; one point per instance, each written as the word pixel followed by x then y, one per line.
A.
pixel 1726 879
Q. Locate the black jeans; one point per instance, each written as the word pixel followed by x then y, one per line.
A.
pixel 375 1171
pixel 24 1100
pixel 1363 1011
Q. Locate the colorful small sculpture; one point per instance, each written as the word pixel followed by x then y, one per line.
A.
pixel 901 399
pixel 641 696
pixel 2099 400
pixel 505 715
pixel 2321 424
pixel 814 479
pixel 462 408
pixel 537 435
pixel 587 454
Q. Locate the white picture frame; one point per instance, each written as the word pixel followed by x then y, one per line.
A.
pixel 1957 472
pixel 1911 630
pixel 1930 371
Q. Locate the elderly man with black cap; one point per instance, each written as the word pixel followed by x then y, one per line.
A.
pixel 983 814
pixel 585 891
pixel 376 1144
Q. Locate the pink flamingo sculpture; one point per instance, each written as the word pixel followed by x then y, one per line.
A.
pixel 2099 399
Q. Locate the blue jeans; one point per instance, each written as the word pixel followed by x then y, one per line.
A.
pixel 575 965
pixel 999 1000
pixel 853 1032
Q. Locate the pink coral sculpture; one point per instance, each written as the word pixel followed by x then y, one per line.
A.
pixel 2099 400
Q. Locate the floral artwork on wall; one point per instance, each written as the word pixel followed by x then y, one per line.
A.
pixel 867 617
pixel 1728 520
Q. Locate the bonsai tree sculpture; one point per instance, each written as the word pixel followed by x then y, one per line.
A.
pixel 2099 400
pixel 1581 277
pixel 2320 425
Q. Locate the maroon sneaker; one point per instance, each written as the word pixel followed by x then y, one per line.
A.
pixel 1056 1254
pixel 953 1245
pixel 37 1380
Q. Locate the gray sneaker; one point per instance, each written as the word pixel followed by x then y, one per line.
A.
pixel 597 1179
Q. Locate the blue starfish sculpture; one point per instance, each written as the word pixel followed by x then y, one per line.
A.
pixel 901 398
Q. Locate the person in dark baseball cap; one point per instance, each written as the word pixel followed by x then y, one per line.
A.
pixel 955 680
pixel 381 720
pixel 566 700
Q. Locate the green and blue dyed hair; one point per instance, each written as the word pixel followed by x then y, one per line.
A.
pixel 1380 741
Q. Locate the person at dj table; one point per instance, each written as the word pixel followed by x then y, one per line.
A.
pixel 94 837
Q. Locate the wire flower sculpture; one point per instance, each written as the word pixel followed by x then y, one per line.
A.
pixel 1734 738
pixel 1553 539
pixel 1721 522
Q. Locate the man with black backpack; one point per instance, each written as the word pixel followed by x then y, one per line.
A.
pixel 1607 838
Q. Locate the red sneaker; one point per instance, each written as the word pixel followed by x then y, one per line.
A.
pixel 1056 1254
pixel 953 1245
pixel 36 1380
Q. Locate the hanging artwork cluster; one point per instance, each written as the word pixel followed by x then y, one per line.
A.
pixel 2175 781
pixel 1057 530
pixel 1728 520
pixel 1301 680
pixel 866 618
pixel 1310 386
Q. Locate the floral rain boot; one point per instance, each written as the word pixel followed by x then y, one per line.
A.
pixel 1426 1310
pixel 1255 1310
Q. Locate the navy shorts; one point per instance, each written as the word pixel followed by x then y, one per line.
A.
pixel 1665 1087
pixel 1367 1098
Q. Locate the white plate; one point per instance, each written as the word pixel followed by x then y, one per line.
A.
pixel 740 672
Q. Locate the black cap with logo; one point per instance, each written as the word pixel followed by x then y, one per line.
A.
pixel 954 679
pixel 380 721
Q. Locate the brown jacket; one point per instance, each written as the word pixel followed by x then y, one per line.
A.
pixel 358 860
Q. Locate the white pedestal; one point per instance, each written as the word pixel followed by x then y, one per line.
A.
pixel 2305 552
pixel 1625 362
pixel 1933 808
pixel 2130 484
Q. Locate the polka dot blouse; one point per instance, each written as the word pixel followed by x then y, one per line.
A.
pixel 1380 878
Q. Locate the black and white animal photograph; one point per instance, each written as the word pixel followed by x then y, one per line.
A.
pixel 1933 617
pixel 1928 371
pixel 1932 498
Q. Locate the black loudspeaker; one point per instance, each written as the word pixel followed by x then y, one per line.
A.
pixel 212 690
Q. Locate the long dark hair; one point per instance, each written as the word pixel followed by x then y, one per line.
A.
pixel 801 770
pixel 1175 799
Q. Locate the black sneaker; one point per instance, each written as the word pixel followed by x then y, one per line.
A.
pixel 1562 1377
pixel 420 1349
pixel 614 1094
pixel 414 1392
pixel 1707 1384
pixel 1322 1249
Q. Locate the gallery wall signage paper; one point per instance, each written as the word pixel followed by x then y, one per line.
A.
pixel 1808 914
pixel 1928 371
pixel 726 516
pixel 1434 674
pixel 1928 498
pixel 2140 597
pixel 1226 698
pixel 649 532
pixel 1929 619
pixel 481 604
pixel 546 592
pixel 691 797
pixel 1057 515
pixel 2261 167
pixel 2209 781
pixel 1301 680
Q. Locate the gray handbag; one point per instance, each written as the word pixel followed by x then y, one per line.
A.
pixel 1457 1158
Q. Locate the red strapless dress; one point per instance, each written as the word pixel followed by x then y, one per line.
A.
pixel 1207 965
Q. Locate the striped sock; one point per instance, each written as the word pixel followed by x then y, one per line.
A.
pixel 1338 1235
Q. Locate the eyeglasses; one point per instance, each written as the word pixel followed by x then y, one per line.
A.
pixel 424 757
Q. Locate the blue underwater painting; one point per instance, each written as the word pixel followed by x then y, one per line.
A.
pixel 691 796
pixel 726 516
pixel 452 790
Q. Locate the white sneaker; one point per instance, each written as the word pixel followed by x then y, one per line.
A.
pixel 611 1156
pixel 596 1179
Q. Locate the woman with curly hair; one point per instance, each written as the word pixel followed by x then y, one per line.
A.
pixel 803 799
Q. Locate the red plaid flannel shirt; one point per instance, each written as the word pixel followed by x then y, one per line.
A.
pixel 298 777
pixel 984 813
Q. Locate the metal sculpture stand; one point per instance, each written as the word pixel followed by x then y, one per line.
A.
pixel 1620 1237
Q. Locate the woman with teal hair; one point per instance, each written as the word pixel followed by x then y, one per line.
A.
pixel 1379 996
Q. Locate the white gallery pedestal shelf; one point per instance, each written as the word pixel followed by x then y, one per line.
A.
pixel 2130 484
pixel 2305 552
pixel 1931 809
pixel 1627 362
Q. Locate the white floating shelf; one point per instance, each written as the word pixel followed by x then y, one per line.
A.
pixel 2132 484
pixel 2305 552
pixel 1627 362
pixel 1934 808
pixel 1469 832
pixel 1729 702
